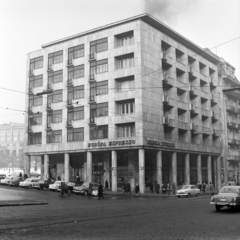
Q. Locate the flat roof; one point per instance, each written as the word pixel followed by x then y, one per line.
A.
pixel 153 22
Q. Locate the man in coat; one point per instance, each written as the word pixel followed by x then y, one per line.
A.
pixel 157 187
pixel 100 191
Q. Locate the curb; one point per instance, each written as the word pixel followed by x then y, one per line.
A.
pixel 22 204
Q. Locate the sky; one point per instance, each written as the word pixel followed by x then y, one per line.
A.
pixel 25 25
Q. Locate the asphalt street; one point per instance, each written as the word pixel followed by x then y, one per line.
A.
pixel 115 217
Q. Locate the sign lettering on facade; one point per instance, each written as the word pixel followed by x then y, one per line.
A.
pixel 158 143
pixel 111 143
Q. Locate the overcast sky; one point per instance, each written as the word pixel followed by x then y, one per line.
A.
pixel 27 24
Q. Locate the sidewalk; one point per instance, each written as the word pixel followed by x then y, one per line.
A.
pixel 146 194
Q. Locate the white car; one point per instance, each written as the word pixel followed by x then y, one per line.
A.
pixel 28 183
pixel 188 190
pixel 55 186
pixel 6 180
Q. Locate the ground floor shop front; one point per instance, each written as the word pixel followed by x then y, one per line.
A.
pixel 137 166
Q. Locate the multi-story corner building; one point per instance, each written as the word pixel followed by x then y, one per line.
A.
pixel 12 142
pixel 130 101
pixel 232 120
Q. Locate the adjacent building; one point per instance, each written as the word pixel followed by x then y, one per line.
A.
pixel 130 101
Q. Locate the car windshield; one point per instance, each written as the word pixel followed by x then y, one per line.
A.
pixel 57 182
pixel 185 187
pixel 28 180
pixel 41 181
pixel 230 190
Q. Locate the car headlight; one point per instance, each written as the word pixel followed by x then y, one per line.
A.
pixel 234 199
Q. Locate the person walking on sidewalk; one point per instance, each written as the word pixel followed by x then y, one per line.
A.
pixel 106 184
pixel 151 187
pixel 100 191
pixel 211 188
pixel 168 188
pixel 90 189
pixel 204 187
pixel 128 188
pixel 157 188
pixel 124 187
pixel 137 189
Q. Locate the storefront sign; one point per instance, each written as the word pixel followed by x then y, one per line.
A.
pixel 96 172
pixel 158 143
pixel 111 143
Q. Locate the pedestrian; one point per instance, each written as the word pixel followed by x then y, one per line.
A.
pixel 106 184
pixel 151 187
pixel 128 188
pixel 157 187
pixel 25 176
pixel 78 178
pixel 20 174
pixel 62 187
pixel 173 187
pixel 200 186
pixel 163 189
pixel 211 188
pixel 100 191
pixel 168 188
pixel 204 187
pixel 90 189
pixel 59 178
pixel 124 187
pixel 137 189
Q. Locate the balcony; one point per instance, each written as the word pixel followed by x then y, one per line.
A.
pixel 69 103
pixel 50 68
pixel 69 62
pixel 212 82
pixel 48 127
pixel 168 122
pixel 192 127
pixel 49 107
pixel 190 70
pixel 92 57
pixel 69 83
pixel 92 121
pixel 192 91
pixel 165 61
pixel 214 115
pixel 215 133
pixel 213 100
pixel 165 99
pixel 168 82
pixel 92 77
pixel 229 125
pixel 31 72
pixel 30 91
pixel 69 124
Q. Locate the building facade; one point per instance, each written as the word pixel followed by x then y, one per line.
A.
pixel 12 143
pixel 131 101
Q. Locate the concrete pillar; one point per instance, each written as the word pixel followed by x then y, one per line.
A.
pixel 159 167
pixel 141 170
pixel 187 169
pixel 114 171
pixel 218 159
pixel 66 167
pixel 46 166
pixel 89 167
pixel 215 171
pixel 27 164
pixel 199 168
pixel 42 167
pixel 174 169
pixel 209 167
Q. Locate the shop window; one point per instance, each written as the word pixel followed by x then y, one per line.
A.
pixel 122 159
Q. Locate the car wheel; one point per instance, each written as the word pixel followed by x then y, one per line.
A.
pixel 179 196
pixel 85 193
pixel 218 208
pixel 189 195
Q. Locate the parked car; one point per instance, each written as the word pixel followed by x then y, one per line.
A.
pixel 15 181
pixel 228 196
pixel 6 180
pixel 2 176
pixel 71 185
pixel 42 184
pixel 188 190
pixel 55 186
pixel 230 184
pixel 28 183
pixel 83 189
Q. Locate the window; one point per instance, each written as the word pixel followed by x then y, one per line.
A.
pixel 102 109
pixel 76 72
pixel 56 116
pixel 99 132
pixel 128 85
pixel 126 130
pixel 36 119
pixel 76 52
pixel 102 87
pixel 126 63
pixel 99 45
pixel 56 57
pixel 55 96
pixel 99 66
pixel 34 138
pixel 36 81
pixel 35 100
pixel 36 63
pixel 127 107
pixel 126 41
pixel 75 134
pixel 76 113
pixel 55 77
pixel 76 92
pixel 54 136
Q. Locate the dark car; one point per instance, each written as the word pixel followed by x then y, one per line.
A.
pixel 43 184
pixel 2 176
pixel 228 196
